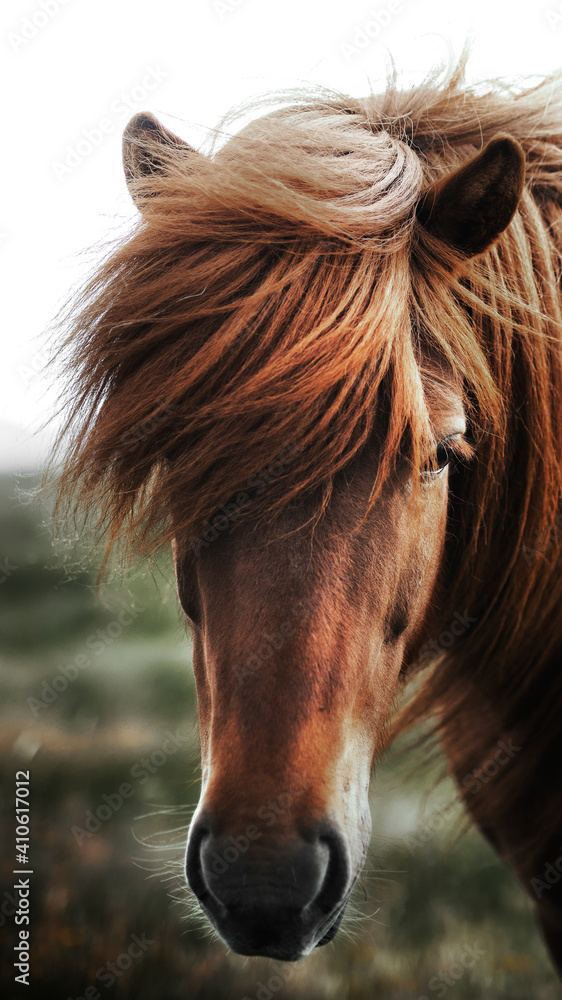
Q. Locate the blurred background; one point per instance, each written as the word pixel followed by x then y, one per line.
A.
pixel 98 698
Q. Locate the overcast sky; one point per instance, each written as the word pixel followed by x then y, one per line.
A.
pixel 74 72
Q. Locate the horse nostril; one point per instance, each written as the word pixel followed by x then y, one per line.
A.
pixel 193 867
pixel 336 879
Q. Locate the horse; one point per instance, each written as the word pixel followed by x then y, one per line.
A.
pixel 325 367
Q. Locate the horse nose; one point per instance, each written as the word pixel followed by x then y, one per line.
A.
pixel 267 897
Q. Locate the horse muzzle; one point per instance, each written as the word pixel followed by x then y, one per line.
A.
pixel 275 896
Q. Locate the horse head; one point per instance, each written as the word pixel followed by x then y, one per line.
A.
pixel 303 619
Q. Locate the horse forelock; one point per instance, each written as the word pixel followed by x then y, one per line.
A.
pixel 201 361
pixel 295 371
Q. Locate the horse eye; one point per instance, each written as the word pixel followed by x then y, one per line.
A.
pixel 442 458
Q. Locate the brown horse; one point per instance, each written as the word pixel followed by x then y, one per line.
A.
pixel 309 330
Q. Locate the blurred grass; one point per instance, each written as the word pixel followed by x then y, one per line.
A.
pixel 426 895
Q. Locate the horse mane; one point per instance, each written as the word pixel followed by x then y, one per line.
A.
pixel 280 293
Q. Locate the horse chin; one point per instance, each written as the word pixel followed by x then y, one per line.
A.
pixel 256 942
pixel 280 949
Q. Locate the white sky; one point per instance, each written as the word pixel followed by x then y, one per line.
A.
pixel 66 67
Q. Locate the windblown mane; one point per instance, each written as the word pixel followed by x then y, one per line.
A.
pixel 281 292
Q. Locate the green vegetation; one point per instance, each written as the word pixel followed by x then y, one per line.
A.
pixel 436 914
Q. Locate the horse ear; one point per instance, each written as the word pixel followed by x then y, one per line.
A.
pixel 147 147
pixel 469 208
